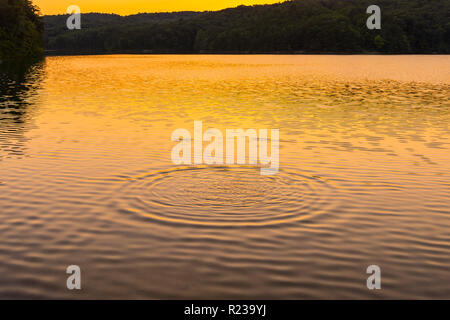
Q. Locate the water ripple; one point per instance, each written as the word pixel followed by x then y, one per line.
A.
pixel 225 196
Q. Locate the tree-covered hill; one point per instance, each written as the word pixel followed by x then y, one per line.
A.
pixel 21 29
pixel 311 26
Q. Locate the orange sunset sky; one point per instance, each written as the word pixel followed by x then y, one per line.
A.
pixel 124 7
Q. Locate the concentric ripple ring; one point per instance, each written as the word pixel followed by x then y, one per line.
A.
pixel 225 196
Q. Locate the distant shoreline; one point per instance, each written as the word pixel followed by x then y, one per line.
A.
pixel 54 54
pixel 290 27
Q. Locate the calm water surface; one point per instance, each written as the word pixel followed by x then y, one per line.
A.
pixel 86 177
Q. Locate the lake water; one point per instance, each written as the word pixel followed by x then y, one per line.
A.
pixel 86 177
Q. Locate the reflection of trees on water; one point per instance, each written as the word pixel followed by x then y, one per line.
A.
pixel 19 83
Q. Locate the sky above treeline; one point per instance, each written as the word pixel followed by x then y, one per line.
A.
pixel 135 6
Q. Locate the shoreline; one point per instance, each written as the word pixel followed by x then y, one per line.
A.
pixel 146 52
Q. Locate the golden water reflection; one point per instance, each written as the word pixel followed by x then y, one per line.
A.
pixel 364 171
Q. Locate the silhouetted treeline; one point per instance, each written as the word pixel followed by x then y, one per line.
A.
pixel 21 29
pixel 311 26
